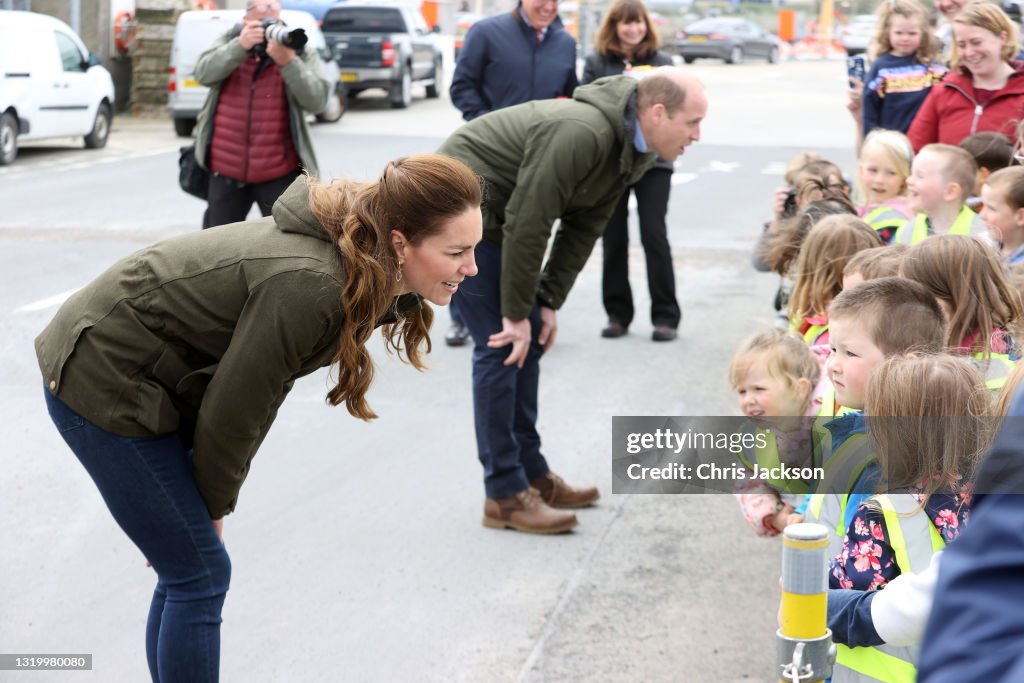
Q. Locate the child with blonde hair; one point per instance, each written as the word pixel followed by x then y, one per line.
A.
pixel 1003 211
pixel 903 69
pixel 968 280
pixel 818 272
pixel 873 263
pixel 773 374
pixel 881 186
pixel 930 422
pixel 942 178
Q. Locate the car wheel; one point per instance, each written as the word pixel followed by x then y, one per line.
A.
pixel 735 55
pixel 689 60
pixel 401 92
pixel 183 127
pixel 773 55
pixel 335 108
pixel 8 139
pixel 434 89
pixel 100 128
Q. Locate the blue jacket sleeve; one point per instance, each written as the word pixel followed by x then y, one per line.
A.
pixel 974 631
pixel 466 90
pixel 849 617
pixel 871 103
pixel 976 627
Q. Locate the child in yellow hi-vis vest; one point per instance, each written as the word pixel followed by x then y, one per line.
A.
pixel 985 313
pixel 818 272
pixel 881 186
pixel 889 316
pixel 774 374
pixel 930 421
pixel 942 177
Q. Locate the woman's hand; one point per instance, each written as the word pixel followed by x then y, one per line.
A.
pixel 218 526
pixel 856 96
pixel 516 333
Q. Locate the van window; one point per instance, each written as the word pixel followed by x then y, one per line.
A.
pixel 70 55
pixel 363 20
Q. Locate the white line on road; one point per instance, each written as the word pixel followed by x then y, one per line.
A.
pixel 48 302
pixel 680 178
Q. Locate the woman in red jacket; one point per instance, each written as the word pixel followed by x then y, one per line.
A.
pixel 984 89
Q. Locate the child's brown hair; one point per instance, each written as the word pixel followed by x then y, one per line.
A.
pixel 930 420
pixel 785 355
pixel 966 273
pixel 1009 182
pixel 989 150
pixel 899 315
pixel 877 262
pixel 908 9
pixel 818 272
pixel 780 249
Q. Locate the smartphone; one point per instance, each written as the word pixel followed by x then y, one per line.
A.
pixel 855 68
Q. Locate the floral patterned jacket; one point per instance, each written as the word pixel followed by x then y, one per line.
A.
pixel 867 561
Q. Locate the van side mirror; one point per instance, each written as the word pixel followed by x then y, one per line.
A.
pixel 436 28
pixel 94 60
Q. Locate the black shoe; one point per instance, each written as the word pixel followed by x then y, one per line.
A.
pixel 614 330
pixel 457 335
pixel 663 333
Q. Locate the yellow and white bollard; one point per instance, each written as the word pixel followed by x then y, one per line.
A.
pixel 804 652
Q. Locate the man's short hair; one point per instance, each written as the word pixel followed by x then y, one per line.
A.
pixel 659 88
pixel 958 166
pixel 899 315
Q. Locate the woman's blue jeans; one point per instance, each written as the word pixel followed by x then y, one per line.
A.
pixel 148 486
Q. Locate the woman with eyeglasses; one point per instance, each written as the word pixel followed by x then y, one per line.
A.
pixel 252 133
pixel 984 89
pixel 164 375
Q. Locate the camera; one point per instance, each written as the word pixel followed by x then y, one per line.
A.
pixel 274 29
pixel 789 206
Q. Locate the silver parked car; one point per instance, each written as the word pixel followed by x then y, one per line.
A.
pixel 857 34
pixel 726 38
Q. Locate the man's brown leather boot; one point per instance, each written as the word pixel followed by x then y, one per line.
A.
pixel 525 511
pixel 558 494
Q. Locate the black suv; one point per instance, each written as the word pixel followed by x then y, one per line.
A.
pixel 384 46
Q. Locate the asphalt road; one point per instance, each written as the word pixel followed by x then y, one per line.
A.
pixel 357 548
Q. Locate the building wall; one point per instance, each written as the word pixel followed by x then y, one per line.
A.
pixel 91 19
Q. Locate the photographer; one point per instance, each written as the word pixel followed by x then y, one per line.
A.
pixel 252 134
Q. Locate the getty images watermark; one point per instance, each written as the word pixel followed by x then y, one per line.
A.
pixel 711 454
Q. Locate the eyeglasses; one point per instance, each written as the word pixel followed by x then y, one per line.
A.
pixel 263 7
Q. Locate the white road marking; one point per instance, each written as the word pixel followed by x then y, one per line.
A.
pixel 681 178
pixel 48 302
pixel 722 166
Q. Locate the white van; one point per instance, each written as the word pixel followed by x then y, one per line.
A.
pixel 196 31
pixel 51 86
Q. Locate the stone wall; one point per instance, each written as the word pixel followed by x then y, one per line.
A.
pixel 95 25
pixel 151 54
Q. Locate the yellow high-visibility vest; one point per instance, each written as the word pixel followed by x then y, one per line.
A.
pixel 914 540
pixel 967 223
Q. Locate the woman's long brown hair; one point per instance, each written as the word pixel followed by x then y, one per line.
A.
pixel 416 196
